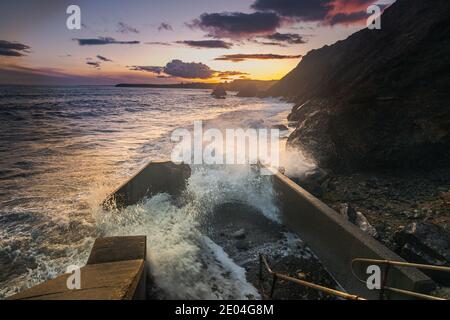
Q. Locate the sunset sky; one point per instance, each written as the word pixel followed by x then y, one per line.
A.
pixel 169 41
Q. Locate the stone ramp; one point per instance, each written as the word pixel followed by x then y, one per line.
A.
pixel 116 270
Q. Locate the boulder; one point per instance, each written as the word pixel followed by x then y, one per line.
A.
pixel 256 124
pixel 242 245
pixel 219 92
pixel 314 181
pixel 426 243
pixel 280 127
pixel 240 234
pixel 358 219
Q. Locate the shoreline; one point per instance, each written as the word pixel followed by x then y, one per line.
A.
pixel 410 211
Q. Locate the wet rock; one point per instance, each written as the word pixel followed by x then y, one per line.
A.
pixel 256 124
pixel 317 175
pixel 314 181
pixel 446 196
pixel 372 182
pixel 242 245
pixel 219 92
pixel 280 127
pixel 240 234
pixel 422 242
pixel 358 219
pixel 284 251
pixel 443 292
pixel 414 215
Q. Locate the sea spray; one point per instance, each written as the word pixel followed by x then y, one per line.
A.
pixel 184 263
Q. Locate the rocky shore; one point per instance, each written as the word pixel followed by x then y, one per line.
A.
pixel 244 233
pixel 373 112
pixel 407 211
pixel 378 99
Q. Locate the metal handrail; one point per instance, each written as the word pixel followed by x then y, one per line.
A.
pixel 344 295
pixel 389 263
pixel 276 276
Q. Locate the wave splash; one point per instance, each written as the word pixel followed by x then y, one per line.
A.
pixel 185 263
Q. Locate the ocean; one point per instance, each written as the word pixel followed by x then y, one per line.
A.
pixel 63 149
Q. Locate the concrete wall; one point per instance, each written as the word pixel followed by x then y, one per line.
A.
pixel 116 267
pixel 337 242
pixel 156 177
pixel 116 270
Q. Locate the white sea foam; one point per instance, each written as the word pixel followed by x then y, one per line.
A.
pixel 184 263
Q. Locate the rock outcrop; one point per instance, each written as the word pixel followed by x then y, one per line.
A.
pixel 219 92
pixel 280 127
pixel 425 243
pixel 379 98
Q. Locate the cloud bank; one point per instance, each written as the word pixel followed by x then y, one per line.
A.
pixel 13 49
pixel 180 69
pixel 103 58
pixel 102 41
pixel 329 12
pixel 152 69
pixel 94 64
pixel 209 44
pixel 125 28
pixel 270 15
pixel 165 27
pixel 237 25
pixel 289 38
pixel 188 70
pixel 256 56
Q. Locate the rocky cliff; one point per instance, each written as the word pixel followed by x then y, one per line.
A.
pixel 380 98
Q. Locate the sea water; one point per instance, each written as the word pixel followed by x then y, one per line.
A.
pixel 63 149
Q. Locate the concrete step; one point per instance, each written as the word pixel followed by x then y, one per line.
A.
pixel 116 270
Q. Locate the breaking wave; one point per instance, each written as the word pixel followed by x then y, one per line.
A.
pixel 185 263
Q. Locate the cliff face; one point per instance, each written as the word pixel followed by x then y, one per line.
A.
pixel 380 98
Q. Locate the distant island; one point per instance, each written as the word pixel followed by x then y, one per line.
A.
pixel 236 85
pixel 194 85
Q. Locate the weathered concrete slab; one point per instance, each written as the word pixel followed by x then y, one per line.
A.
pixel 116 270
pixel 156 177
pixel 106 281
pixel 112 249
pixel 337 242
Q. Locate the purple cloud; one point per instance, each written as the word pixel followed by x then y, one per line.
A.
pixel 102 41
pixel 207 44
pixel 237 24
pixel 12 49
